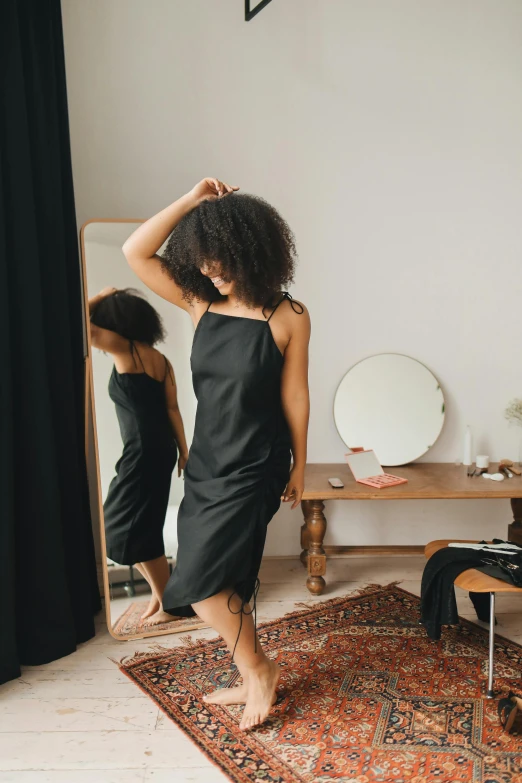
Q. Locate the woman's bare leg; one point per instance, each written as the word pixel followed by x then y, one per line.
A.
pixel 155 602
pixel 260 674
pixel 157 574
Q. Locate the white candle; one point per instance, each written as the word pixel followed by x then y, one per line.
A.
pixel 467 447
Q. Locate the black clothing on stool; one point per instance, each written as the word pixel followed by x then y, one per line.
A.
pixel 438 603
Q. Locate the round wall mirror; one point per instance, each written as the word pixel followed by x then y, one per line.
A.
pixel 392 404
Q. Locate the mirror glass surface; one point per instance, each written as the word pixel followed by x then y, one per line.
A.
pixel 105 266
pixel 392 404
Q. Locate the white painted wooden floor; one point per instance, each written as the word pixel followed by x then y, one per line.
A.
pixel 79 720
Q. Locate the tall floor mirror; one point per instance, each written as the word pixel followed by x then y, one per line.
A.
pixel 127 593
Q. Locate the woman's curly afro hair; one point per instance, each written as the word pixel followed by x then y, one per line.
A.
pixel 128 313
pixel 248 238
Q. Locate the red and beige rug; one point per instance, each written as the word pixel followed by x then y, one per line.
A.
pixel 130 622
pixel 364 696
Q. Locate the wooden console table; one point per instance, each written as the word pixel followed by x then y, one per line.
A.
pixel 426 481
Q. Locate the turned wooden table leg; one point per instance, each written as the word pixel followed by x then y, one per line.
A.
pixel 305 539
pixel 312 537
pixel 515 528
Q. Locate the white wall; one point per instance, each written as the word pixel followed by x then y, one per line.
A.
pixel 388 134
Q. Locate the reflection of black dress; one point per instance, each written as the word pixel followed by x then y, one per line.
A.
pixel 238 463
pixel 138 496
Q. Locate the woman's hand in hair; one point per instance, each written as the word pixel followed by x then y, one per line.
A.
pixel 108 291
pixel 211 188
pixel 95 300
pixel 142 247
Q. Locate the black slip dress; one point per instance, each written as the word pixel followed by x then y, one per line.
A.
pixel 239 460
pixel 138 495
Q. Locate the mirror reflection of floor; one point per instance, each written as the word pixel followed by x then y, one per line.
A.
pixel 126 612
pixel 130 596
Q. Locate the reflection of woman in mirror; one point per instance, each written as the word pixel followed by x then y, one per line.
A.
pixel 143 389
pixel 227 259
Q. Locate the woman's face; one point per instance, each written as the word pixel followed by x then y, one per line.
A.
pixel 212 270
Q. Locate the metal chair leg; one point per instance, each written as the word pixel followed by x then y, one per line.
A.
pixel 491 662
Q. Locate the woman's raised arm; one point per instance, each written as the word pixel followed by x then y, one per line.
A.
pixel 142 246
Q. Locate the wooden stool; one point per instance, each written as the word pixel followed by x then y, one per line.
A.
pixel 476 582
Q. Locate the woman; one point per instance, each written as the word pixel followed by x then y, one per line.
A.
pixel 143 389
pixel 226 261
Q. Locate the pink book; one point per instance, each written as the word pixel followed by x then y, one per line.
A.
pixel 367 469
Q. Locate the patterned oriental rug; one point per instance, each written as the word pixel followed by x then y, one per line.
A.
pixel 364 696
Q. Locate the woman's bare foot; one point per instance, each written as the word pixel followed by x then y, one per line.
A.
pixel 262 684
pixel 236 695
pixel 160 617
pixel 152 608
pixel 225 696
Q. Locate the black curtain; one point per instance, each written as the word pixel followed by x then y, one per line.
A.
pixel 48 588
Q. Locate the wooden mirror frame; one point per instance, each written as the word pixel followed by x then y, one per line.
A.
pixel 92 445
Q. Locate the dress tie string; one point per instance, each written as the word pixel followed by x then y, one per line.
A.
pixel 297 307
pixel 242 611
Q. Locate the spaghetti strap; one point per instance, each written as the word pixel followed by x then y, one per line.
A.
pixel 297 307
pixel 134 349
pixel 168 371
pixel 208 308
